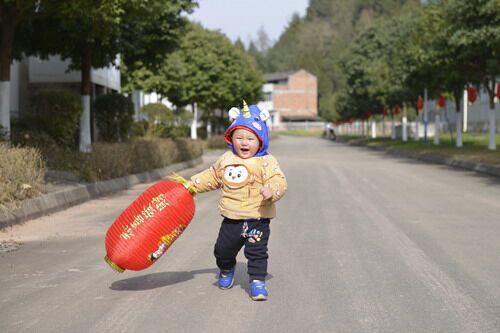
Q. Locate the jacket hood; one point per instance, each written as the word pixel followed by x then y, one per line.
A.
pixel 252 119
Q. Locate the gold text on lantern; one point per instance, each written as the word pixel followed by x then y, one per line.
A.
pixel 156 205
pixel 160 202
pixel 127 232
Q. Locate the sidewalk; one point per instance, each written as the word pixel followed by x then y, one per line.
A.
pixel 483 168
pixel 65 192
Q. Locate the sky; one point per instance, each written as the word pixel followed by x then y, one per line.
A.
pixel 243 18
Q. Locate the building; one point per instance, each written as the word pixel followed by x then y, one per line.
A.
pixel 32 74
pixel 291 98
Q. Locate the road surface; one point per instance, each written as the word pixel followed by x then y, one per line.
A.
pixel 363 242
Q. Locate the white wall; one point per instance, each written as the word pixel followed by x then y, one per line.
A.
pixel 55 70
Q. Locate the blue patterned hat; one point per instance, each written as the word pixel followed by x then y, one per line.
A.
pixel 252 119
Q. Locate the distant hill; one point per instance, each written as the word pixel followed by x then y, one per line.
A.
pixel 316 41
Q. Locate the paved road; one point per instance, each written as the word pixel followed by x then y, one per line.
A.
pixel 363 242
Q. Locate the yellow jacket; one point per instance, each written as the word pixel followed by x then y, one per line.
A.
pixel 241 181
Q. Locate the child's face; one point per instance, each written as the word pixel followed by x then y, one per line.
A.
pixel 245 143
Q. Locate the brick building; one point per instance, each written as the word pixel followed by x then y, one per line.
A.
pixel 290 96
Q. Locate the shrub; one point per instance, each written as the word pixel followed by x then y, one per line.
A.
pixel 107 161
pixel 159 116
pixel 158 113
pixel 21 173
pixel 163 122
pixel 188 149
pixel 216 142
pixel 114 117
pixel 34 139
pixel 57 113
pixel 181 131
pixel 153 153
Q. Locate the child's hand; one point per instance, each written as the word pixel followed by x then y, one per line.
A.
pixel 266 192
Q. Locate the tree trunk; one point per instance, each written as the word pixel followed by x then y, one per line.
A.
pixel 194 124
pixel 85 140
pixel 7 39
pixel 458 94
pixel 490 87
pixel 404 124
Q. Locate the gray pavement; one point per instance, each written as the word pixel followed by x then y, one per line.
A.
pixel 363 242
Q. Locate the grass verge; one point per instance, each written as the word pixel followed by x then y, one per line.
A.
pixel 475 147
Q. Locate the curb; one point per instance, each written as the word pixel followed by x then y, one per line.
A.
pixel 60 200
pixel 482 168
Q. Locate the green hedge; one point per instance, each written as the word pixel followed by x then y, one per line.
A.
pixel 114 117
pixel 57 113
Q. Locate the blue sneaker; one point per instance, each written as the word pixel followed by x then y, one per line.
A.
pixel 258 291
pixel 226 279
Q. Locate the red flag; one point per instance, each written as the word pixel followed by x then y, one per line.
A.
pixel 420 103
pixel 441 101
pixel 395 109
pixel 471 95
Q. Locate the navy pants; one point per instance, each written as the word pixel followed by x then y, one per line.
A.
pixel 252 233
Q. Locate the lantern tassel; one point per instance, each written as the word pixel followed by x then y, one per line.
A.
pixel 187 184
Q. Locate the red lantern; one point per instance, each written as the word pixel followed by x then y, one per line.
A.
pixel 471 95
pixel 386 112
pixel 441 102
pixel 420 103
pixel 498 90
pixel 395 109
pixel 149 226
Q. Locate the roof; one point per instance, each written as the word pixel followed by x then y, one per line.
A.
pixel 279 76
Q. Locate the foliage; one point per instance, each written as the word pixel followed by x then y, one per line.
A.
pixel 473 150
pixel 57 113
pixel 15 16
pixel 21 174
pixel 376 68
pixel 188 149
pixel 216 142
pixel 163 122
pixel 138 30
pixel 474 32
pixel 114 116
pixel 112 160
pixel 317 41
pixel 107 161
pixel 208 70
pixel 160 119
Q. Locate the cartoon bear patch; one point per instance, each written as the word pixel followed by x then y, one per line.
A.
pixel 236 176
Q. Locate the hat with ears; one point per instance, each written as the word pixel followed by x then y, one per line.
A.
pixel 250 118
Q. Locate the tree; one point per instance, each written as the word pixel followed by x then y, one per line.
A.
pixel 474 35
pixel 13 14
pixel 209 71
pixel 101 29
pixel 375 67
pixel 317 41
